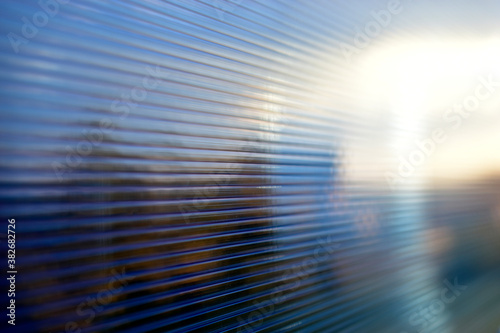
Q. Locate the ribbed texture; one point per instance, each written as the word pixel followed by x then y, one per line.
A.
pixel 213 190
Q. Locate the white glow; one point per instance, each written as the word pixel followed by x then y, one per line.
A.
pixel 428 75
pixel 412 84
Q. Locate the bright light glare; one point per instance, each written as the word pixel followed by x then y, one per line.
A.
pixel 431 75
pixel 413 84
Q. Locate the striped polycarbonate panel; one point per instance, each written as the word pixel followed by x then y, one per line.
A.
pixel 180 166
